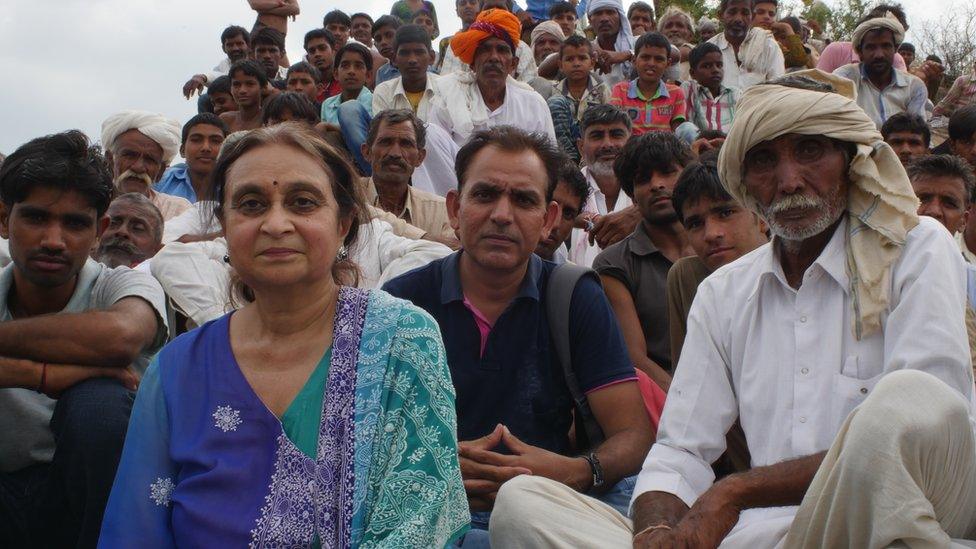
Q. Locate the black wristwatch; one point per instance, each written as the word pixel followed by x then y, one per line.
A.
pixel 596 469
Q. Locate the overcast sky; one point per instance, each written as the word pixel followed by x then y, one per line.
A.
pixel 72 63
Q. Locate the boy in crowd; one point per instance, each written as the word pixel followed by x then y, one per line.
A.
pixel 247 82
pixel 351 111
pixel 221 99
pixel 711 106
pixel 338 23
pixel 413 89
pixel 290 106
pixel 564 14
pixel 305 79
pixel 384 33
pixel 201 140
pixel 320 52
pixel 425 19
pixel 579 89
pixel 908 134
pixel 362 28
pixel 650 102
pixel 641 17
pixel 268 46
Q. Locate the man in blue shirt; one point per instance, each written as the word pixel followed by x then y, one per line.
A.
pixel 514 409
pixel 202 137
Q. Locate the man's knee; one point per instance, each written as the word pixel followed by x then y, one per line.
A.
pixel 520 500
pixel 351 112
pixel 92 416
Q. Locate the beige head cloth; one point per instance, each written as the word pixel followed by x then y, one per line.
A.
pixel 881 204
pixel 889 22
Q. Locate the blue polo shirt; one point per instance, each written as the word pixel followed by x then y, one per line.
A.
pixel 176 182
pixel 519 381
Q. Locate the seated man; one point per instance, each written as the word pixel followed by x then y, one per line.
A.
pixel 268 46
pixel 750 55
pixel 413 88
pixel 634 271
pixel 564 14
pixel 641 18
pixel 908 135
pixel 248 84
pixel 305 79
pixel 64 321
pixel 962 134
pixel 134 233
pixel 236 43
pixel 613 48
pixel 361 28
pixel 514 407
pixel 845 333
pixel 138 146
pixel 200 144
pixel 720 230
pixel 546 38
pixel 881 89
pixel 524 68
pixel 961 94
pixel 490 97
pixel 570 194
pixel 608 214
pixel 945 189
pixel 838 53
pixel 394 148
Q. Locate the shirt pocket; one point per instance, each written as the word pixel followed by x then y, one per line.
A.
pixel 851 386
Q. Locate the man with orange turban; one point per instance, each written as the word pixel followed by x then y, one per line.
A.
pixel 487 95
pixel 526 69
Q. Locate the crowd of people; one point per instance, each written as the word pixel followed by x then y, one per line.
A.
pixel 575 276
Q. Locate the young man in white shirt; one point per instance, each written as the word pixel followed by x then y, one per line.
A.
pixel 857 303
pixel 750 54
pixel 414 88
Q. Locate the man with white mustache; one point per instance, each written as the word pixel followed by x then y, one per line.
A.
pixel 139 145
pixel 840 346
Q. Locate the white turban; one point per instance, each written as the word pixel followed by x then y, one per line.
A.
pixel 162 130
pixel 881 203
pixel 889 22
pixel 547 27
pixel 625 37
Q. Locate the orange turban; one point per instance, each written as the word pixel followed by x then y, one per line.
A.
pixel 493 23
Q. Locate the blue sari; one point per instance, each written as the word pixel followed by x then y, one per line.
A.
pixel 206 464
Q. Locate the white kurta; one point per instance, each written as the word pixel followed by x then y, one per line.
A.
pixel 581 252
pixel 786 364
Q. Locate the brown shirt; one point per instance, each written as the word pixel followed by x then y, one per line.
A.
pixel 424 210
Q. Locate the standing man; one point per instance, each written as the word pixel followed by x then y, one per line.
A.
pixel 338 23
pixel 881 90
pixel 394 148
pixel 268 46
pixel 750 55
pixel 72 332
pixel 487 96
pixel 274 14
pixel 138 146
pixel 608 214
pixel 614 45
pixel 822 344
pixel 467 11
pixel 202 137
pixel 514 410
pixel 236 43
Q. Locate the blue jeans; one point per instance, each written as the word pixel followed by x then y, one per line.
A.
pixel 477 538
pixel 565 125
pixel 60 504
pixel 354 122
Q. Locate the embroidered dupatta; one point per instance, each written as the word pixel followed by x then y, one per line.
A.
pixel 205 463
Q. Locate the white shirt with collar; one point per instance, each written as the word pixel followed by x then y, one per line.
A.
pixel 786 364
pixel 768 55
pixel 905 93
pixel 391 95
pixel 582 252
pixel 459 108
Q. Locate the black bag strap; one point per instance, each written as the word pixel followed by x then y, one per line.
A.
pixel 559 296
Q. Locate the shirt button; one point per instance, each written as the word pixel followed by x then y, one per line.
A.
pixel 803 319
pixel 804 371
pixel 864 390
pixel 803 420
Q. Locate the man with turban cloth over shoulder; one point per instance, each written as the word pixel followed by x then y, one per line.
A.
pixel 840 346
pixel 487 95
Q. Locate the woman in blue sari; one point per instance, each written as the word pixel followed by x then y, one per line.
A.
pixel 315 415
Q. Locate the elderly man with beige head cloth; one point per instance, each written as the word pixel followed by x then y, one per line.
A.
pixel 840 346
pixel 139 145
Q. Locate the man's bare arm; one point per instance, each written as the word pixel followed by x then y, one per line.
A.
pixel 655 508
pixel 113 337
pixel 282 8
pixel 619 409
pixel 784 483
pixel 625 310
